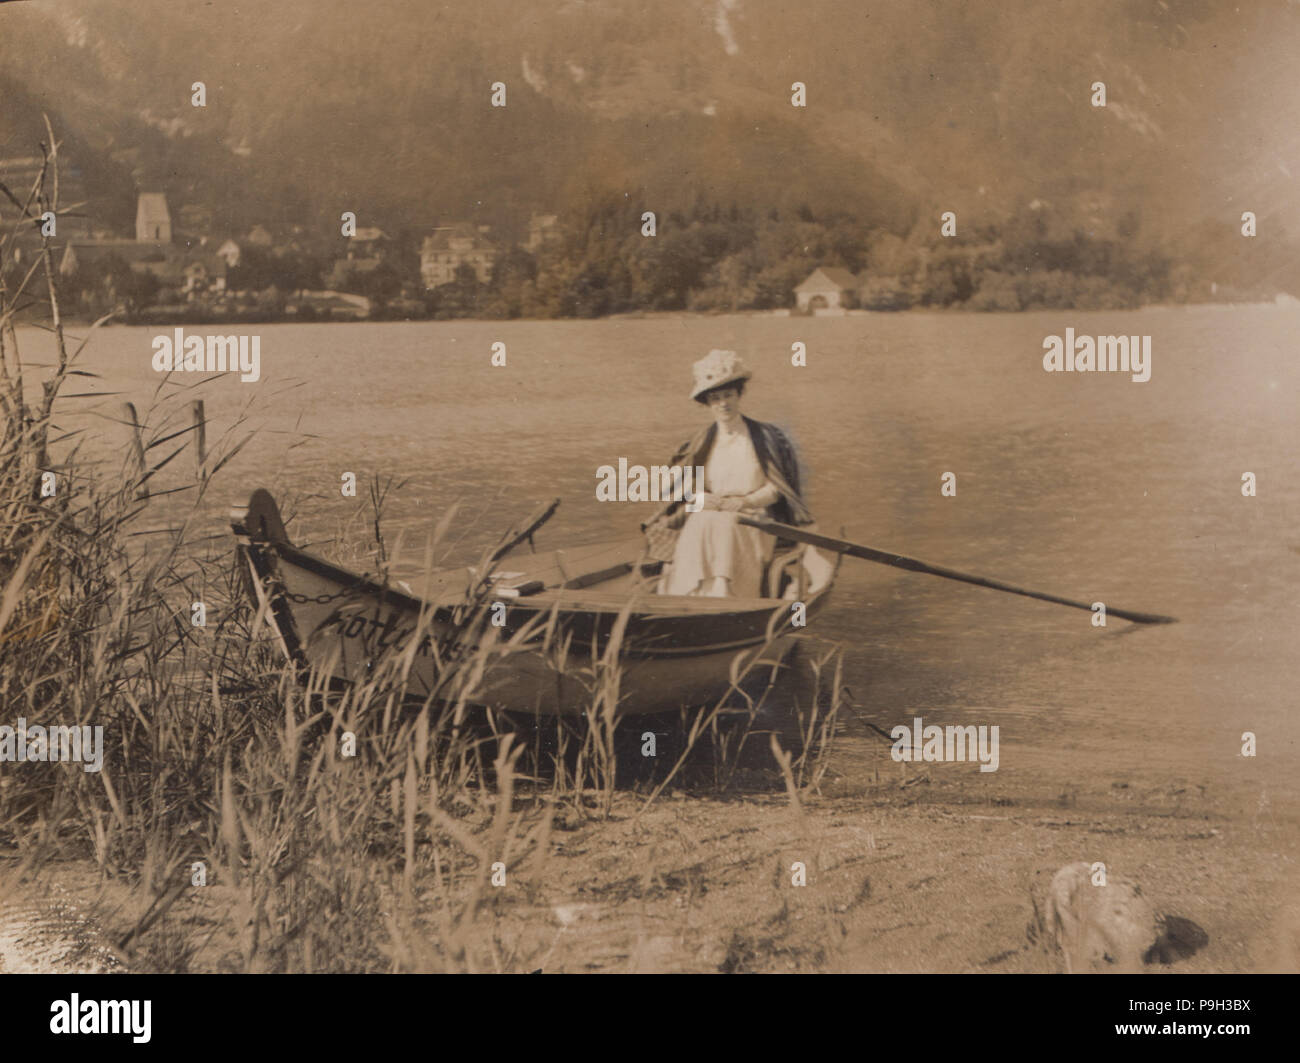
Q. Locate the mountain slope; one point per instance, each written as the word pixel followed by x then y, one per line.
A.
pixel 914 107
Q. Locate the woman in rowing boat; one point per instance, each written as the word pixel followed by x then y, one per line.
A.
pixel 749 467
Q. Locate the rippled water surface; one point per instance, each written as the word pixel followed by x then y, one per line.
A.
pixel 1087 485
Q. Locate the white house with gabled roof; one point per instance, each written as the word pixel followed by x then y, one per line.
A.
pixel 827 288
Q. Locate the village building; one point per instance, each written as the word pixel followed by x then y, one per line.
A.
pixel 153 221
pixel 193 275
pixel 543 229
pixel 366 250
pixel 228 252
pixel 97 265
pixel 368 242
pixel 827 288
pixel 453 246
pixel 91 256
pixel 181 270
pixel 345 267
pixel 203 275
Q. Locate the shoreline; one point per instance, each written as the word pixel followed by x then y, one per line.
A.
pixel 201 320
pixel 926 874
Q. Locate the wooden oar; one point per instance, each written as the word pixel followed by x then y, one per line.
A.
pixel 884 557
pixel 574 583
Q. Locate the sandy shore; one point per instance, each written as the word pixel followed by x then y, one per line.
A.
pixel 918 869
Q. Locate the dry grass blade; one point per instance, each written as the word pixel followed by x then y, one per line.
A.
pixel 17 579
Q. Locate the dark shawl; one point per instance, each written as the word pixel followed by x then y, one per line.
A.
pixel 776 456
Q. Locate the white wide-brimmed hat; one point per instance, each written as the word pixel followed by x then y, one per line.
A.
pixel 717 369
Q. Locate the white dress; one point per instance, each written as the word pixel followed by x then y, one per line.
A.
pixel 715 556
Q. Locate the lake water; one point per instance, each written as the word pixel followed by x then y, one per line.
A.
pixel 1086 485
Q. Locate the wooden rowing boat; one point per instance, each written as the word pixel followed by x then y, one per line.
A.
pixel 675 651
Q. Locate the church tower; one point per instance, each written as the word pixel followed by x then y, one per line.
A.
pixel 153 222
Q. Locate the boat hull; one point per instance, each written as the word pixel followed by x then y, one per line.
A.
pixel 543 649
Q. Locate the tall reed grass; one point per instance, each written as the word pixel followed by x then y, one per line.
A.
pixel 222 762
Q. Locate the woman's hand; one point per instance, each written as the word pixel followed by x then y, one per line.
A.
pixel 731 503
